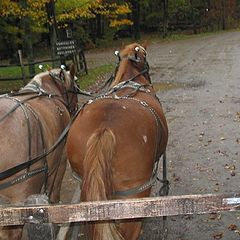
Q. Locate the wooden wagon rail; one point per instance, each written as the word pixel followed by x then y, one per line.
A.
pixel 119 209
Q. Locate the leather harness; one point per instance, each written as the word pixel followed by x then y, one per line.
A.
pixel 34 91
pixel 112 94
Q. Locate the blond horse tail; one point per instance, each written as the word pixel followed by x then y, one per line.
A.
pixel 97 180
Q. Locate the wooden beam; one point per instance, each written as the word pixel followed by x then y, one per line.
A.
pixel 120 209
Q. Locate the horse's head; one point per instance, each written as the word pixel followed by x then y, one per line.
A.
pixel 56 83
pixel 67 85
pixel 132 63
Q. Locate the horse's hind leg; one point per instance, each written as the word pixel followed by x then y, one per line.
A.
pixel 11 233
pixel 130 230
pixel 55 181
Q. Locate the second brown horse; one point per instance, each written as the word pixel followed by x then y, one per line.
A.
pixel 116 140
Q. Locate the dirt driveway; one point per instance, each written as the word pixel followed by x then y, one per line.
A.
pixel 198 82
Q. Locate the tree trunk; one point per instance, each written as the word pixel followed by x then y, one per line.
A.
pixel 193 18
pixel 165 18
pixel 50 9
pixel 99 26
pixel 136 19
pixel 28 40
pixel 223 14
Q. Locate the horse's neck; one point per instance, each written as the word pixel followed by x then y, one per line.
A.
pixel 42 83
pixel 125 72
pixel 51 87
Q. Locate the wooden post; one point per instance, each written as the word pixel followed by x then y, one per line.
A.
pixel 82 61
pixel 75 228
pixel 36 229
pixel 22 67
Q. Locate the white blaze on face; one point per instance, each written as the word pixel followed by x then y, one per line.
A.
pixel 124 107
pixel 145 138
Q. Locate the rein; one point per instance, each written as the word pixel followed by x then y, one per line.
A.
pixel 112 77
pixel 19 103
pixel 11 171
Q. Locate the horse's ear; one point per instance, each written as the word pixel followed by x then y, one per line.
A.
pixel 122 45
pixel 72 71
pixel 145 44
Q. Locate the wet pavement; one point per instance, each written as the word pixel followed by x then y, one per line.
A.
pixel 198 82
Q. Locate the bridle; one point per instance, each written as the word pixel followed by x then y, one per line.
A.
pixel 74 89
pixel 136 59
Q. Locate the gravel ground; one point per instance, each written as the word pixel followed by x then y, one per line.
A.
pixel 197 81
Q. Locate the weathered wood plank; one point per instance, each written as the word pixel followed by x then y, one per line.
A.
pixel 120 209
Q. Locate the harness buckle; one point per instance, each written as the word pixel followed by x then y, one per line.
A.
pixel 144 103
pixel 89 101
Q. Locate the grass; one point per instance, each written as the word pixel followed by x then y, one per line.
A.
pixel 8 86
pixel 13 72
pixel 98 73
pixel 94 74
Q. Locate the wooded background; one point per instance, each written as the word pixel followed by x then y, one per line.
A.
pixel 34 26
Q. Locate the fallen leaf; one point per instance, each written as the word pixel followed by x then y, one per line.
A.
pixel 230 167
pixel 213 216
pixel 237 117
pixel 237 231
pixel 187 217
pixel 176 178
pixel 218 235
pixel 222 153
pixel 232 227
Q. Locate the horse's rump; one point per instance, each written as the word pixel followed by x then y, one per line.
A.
pixel 134 127
pixel 26 132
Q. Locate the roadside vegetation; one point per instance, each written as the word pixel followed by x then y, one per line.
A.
pixel 100 73
pixel 85 80
pixel 35 27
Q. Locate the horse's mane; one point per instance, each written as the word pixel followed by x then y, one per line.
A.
pixel 125 52
pixel 38 78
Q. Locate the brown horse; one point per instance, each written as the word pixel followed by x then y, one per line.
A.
pixel 32 155
pixel 116 141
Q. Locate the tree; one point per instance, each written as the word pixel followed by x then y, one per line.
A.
pixel 165 17
pixel 39 13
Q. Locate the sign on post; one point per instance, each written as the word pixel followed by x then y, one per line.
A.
pixel 66 47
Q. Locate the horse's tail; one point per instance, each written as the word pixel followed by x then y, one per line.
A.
pixel 97 180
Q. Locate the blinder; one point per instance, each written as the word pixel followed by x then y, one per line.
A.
pixel 134 58
pixel 61 78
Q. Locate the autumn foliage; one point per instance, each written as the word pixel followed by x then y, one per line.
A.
pixel 65 10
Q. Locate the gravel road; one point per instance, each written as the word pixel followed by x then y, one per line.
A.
pixel 198 84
